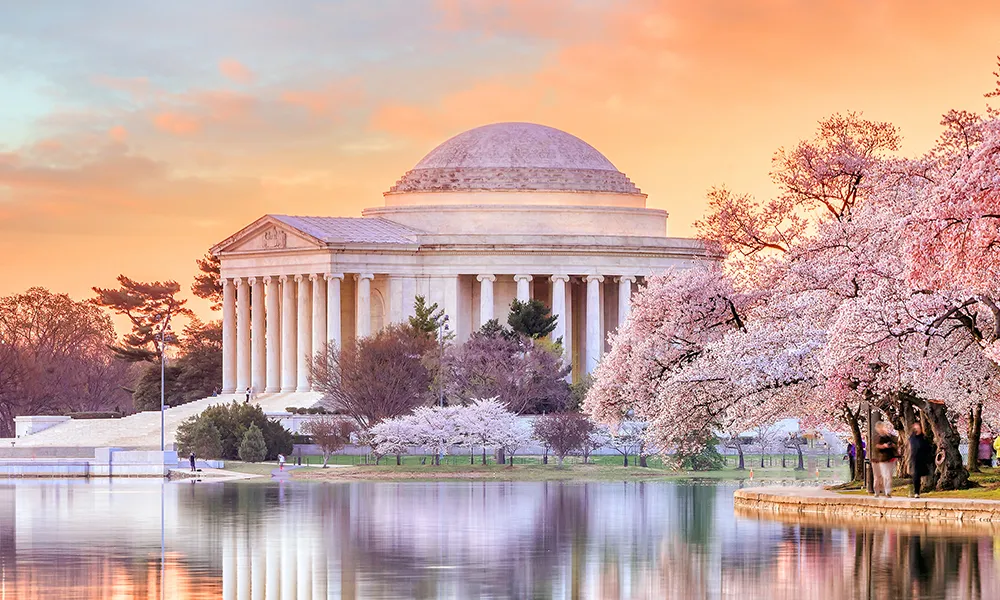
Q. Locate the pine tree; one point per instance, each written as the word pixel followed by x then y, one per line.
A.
pixel 208 283
pixel 252 448
pixel 531 318
pixel 150 308
pixel 427 319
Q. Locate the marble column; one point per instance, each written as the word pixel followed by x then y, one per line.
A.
pixel 288 334
pixel 242 335
pixel 228 337
pixel 273 335
pixel 451 301
pixel 304 351
pixel 257 341
pixel 333 308
pixel 396 299
pixel 559 311
pixel 595 341
pixel 409 296
pixel 523 287
pixel 625 284
pixel 318 313
pixel 485 297
pixel 364 305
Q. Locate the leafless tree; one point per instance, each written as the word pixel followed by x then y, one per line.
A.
pixel 563 432
pixel 330 434
pixel 374 378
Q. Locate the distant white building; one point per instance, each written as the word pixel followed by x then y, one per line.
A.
pixel 504 211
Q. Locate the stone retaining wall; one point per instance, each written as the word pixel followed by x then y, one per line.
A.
pixel 817 501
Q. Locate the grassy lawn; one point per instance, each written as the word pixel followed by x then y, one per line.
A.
pixel 987 487
pixel 530 468
pixel 251 468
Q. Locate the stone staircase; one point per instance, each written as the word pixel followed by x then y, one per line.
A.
pixel 141 431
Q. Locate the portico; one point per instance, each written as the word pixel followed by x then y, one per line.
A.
pixel 500 212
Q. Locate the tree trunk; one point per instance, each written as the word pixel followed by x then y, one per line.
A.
pixel 741 467
pixel 975 434
pixel 642 460
pixel 859 455
pixel 472 456
pixel 399 460
pixel 326 459
pixel 559 460
pixel 801 466
pixel 762 459
pixel 625 463
pixel 501 456
pixel 545 457
pixel 951 474
pixel 484 455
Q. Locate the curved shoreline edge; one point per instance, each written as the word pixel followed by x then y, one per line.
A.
pixel 776 502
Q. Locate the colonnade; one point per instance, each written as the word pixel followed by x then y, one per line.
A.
pixel 274 325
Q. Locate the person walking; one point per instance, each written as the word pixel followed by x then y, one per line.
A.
pixel 281 462
pixel 249 391
pixel 985 452
pixel 191 460
pixel 851 458
pixel 920 457
pixel 883 459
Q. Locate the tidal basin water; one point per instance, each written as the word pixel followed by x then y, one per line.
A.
pixel 146 539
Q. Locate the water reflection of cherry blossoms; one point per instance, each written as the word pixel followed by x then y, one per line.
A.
pixel 608 541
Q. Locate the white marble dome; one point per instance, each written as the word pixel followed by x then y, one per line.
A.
pixel 514 157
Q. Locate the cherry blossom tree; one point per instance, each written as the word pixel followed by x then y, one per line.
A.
pixel 563 432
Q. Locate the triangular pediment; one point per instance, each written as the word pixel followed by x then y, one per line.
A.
pixel 267 234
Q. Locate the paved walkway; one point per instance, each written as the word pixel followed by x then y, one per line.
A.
pixel 820 501
pixel 283 475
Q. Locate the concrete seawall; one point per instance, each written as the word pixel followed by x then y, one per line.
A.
pixel 103 462
pixel 812 501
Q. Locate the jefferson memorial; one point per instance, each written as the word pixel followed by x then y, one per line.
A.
pixel 503 211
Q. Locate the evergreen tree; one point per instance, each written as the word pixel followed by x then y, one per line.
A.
pixel 150 307
pixel 208 283
pixel 427 318
pixel 493 329
pixel 252 448
pixel 200 436
pixel 531 318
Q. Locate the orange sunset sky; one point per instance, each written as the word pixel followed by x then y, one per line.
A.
pixel 134 135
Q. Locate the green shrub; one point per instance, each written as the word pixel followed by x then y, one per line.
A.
pixel 200 436
pixel 95 415
pixel 252 448
pixel 232 422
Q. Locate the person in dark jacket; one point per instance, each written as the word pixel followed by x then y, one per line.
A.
pixel 191 459
pixel 920 457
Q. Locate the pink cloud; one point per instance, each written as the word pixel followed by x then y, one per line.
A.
pixel 235 71
pixel 327 100
pixel 118 134
pixel 176 123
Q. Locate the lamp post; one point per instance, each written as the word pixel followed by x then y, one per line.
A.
pixel 441 331
pixel 441 334
pixel 163 369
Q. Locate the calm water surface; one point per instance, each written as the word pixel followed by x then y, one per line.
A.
pixel 144 539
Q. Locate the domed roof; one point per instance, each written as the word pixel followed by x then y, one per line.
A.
pixel 515 157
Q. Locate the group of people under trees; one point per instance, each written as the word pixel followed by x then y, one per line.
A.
pixel 870 282
pixel 888 450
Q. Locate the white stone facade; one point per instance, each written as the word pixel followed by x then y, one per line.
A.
pixel 505 211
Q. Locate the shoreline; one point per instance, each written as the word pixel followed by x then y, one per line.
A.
pixel 778 502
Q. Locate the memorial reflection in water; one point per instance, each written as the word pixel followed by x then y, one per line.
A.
pixel 458 540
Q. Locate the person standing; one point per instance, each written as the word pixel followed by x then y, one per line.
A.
pixel 191 460
pixel 281 462
pixel 883 459
pixel 920 457
pixel 249 391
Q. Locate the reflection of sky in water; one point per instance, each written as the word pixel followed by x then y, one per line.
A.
pixel 457 540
